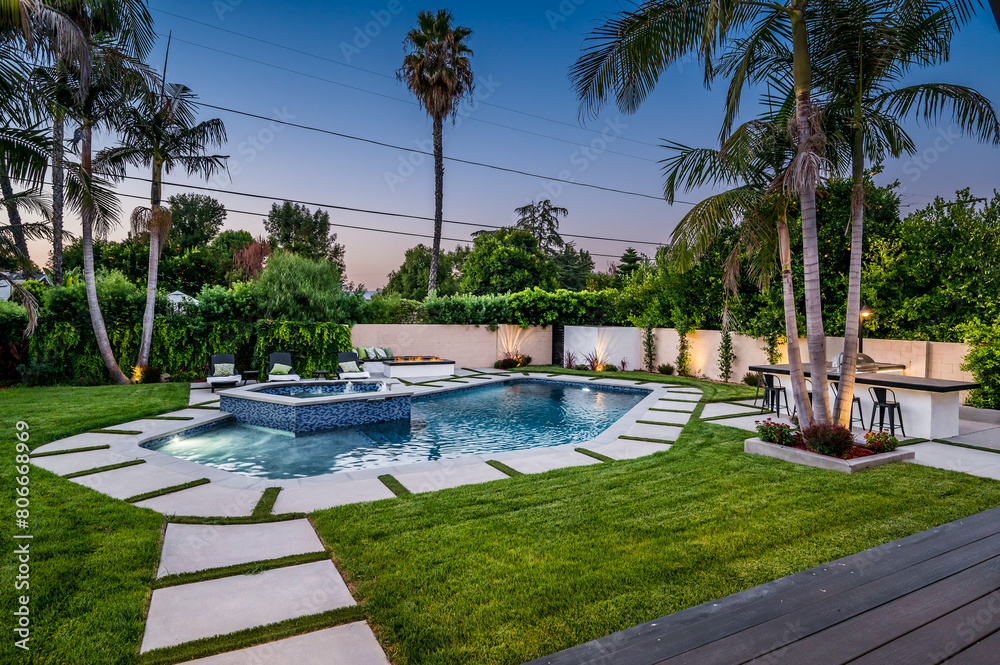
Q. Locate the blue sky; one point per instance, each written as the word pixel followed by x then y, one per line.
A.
pixel 523 51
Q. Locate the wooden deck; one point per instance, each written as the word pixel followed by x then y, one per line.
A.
pixel 933 597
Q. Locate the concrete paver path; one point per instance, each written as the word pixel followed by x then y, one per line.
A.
pixel 350 644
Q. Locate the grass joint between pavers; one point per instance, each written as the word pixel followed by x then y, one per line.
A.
pixel 123 432
pixel 249 568
pixel 597 456
pixel 266 502
pixel 167 490
pixel 394 485
pixel 503 468
pixel 71 450
pixel 101 469
pixel 647 439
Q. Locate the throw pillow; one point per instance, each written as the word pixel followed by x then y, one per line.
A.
pixel 225 369
pixel 370 352
pixel 361 353
pixel 349 367
pixel 381 353
pixel 389 352
pixel 280 369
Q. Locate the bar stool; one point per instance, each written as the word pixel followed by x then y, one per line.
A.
pixel 760 384
pixel 856 403
pixel 773 391
pixel 809 395
pixel 881 402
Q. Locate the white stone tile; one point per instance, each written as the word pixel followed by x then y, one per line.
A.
pixel 748 423
pixel 431 481
pixel 681 397
pixel 673 405
pixel 628 449
pixel 132 480
pixel 549 461
pixel 953 458
pixel 658 432
pixel 350 644
pixel 666 417
pixel 86 440
pixel 679 389
pixel 191 547
pixel 73 462
pixel 715 410
pixel 317 497
pixel 206 501
pixel 189 612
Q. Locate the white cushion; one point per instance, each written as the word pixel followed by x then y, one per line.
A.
pixel 355 375
pixel 284 377
pixel 225 379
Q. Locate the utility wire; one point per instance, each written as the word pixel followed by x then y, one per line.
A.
pixel 373 212
pixel 387 76
pixel 397 99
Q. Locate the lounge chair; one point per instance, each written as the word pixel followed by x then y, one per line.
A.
pixel 281 359
pixel 232 380
pixel 350 358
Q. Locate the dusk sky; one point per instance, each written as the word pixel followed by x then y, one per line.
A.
pixel 343 80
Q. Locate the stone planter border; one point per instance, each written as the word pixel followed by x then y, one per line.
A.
pixel 756 446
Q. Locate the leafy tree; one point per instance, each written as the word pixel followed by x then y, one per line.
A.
pixel 507 261
pixel 294 228
pixel 411 279
pixel 726 355
pixel 574 267
pixel 541 220
pixel 196 220
pixel 229 242
pixel 294 288
pixel 438 72
pixel 630 262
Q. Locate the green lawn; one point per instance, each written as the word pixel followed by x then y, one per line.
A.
pixel 513 570
pixel 714 391
pixel 93 558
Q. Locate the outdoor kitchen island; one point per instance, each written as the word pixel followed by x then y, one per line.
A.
pixel 929 406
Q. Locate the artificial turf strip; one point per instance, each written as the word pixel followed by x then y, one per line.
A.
pixel 96 555
pixel 218 521
pixel 655 422
pixel 206 408
pixel 647 439
pixel 503 468
pixel 123 432
pixel 73 450
pixel 251 568
pixel 101 469
pixel 170 418
pixel 597 456
pixel 266 502
pixel 209 402
pixel 449 576
pixel 252 636
pixel 959 445
pixel 167 490
pixel 394 485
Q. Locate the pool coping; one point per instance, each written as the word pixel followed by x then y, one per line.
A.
pixel 131 446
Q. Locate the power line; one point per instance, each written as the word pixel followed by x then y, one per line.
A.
pixel 396 99
pixel 374 212
pixel 387 76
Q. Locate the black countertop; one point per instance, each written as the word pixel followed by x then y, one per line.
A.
pixel 886 380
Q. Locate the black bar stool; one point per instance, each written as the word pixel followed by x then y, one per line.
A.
pixel 760 384
pixel 809 394
pixel 773 392
pixel 856 403
pixel 882 403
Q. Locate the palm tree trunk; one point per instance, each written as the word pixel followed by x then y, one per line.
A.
pixel 57 200
pixel 15 216
pixel 149 314
pixel 96 318
pixel 796 375
pixel 845 395
pixel 438 201
pixel 806 176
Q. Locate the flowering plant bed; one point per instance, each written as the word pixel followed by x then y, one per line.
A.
pixel 858 457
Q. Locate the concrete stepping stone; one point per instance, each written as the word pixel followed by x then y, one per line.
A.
pixel 133 480
pixel 210 500
pixel 659 432
pixel 449 476
pixel 191 547
pixel 692 390
pixel 318 497
pixel 73 462
pixel 629 449
pixel 673 405
pixel 350 644
pixel 748 423
pixel 681 397
pixel 952 458
pixel 549 461
pixel 666 417
pixel 716 410
pixel 189 612
pixel 86 440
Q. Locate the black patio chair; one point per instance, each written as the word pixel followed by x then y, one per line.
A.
pixel 856 403
pixel 760 384
pixel 881 401
pixel 773 392
pixel 281 358
pixel 222 359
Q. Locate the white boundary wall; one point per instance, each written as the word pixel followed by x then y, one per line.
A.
pixel 938 360
pixel 468 346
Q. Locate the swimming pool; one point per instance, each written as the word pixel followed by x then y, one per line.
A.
pixel 483 420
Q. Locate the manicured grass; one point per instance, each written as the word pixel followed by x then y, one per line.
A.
pixel 713 390
pixel 92 558
pixel 510 571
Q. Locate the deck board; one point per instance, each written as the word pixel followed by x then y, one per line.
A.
pixel 802 611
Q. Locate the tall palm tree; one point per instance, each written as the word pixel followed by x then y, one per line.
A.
pixel 438 72
pixel 159 132
pixel 11 237
pixel 860 59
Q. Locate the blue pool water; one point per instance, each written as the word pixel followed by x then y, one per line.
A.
pixel 480 421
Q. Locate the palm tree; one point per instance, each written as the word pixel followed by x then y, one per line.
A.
pixel 12 236
pixel 159 132
pixel 860 58
pixel 438 72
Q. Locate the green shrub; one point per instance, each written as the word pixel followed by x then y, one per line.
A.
pixel 727 357
pixel 983 360
pixel 751 379
pixel 40 374
pixel 292 288
pixel 469 310
pixel 232 305
pixel 881 442
pixel 512 360
pixel 779 433
pixel 393 308
pixel 832 440
pixel 665 368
